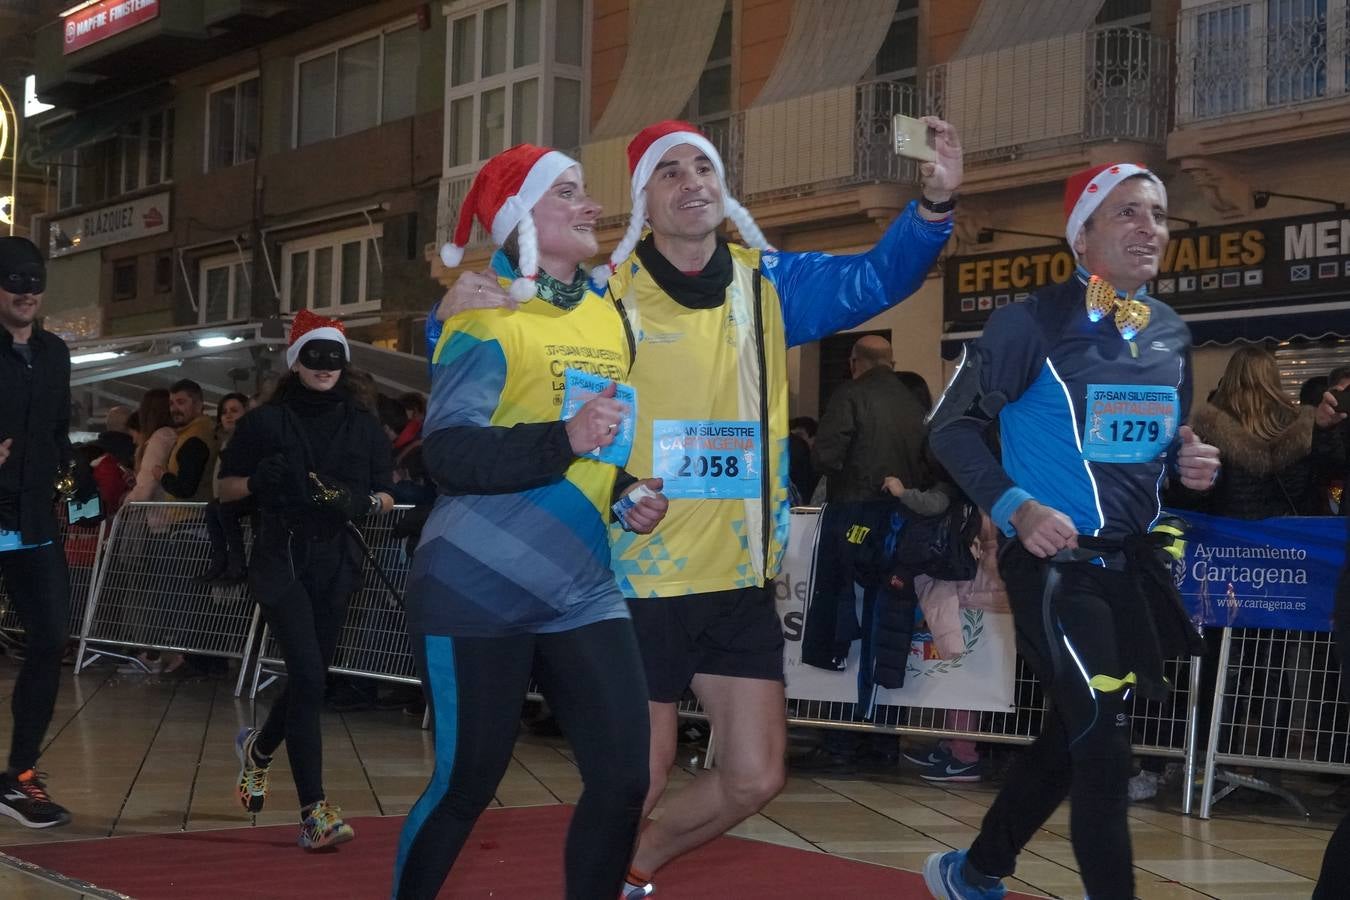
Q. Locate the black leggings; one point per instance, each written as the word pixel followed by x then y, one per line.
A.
pixel 38 584
pixel 1083 751
pixel 305 613
pixel 592 678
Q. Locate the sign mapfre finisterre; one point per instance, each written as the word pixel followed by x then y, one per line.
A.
pixel 104 19
pixel 113 224
pixel 1220 267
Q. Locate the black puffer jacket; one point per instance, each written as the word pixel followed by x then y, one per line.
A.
pixel 1260 479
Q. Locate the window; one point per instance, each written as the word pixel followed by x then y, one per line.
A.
pixel 710 105
pixel 124 277
pixel 223 289
pixel 232 123
pixel 1296 50
pixel 334 273
pixel 140 155
pixel 356 85
pixel 1249 55
pixel 898 58
pixel 68 191
pixel 508 84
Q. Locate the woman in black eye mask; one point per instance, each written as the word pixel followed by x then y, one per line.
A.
pixel 316 459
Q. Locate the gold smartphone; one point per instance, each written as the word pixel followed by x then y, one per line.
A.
pixel 914 139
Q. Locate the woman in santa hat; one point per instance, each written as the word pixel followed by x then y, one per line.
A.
pixel 316 459
pixel 512 574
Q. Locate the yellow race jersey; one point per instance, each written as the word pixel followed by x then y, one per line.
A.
pixel 712 420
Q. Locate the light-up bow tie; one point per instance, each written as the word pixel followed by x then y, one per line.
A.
pixel 1102 299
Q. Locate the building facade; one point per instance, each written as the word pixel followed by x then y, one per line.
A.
pixel 212 161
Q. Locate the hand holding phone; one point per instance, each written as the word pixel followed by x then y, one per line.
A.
pixel 914 139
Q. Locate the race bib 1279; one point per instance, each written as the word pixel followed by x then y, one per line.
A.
pixel 1129 423
pixel 707 460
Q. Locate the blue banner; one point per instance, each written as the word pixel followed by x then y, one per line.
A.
pixel 1268 573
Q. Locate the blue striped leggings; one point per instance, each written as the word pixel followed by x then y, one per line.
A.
pixel 592 678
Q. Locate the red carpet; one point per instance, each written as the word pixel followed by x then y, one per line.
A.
pixel 512 853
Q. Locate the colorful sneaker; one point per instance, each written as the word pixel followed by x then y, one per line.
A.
pixel 944 876
pixel 23 797
pixel 946 767
pixel 252 786
pixel 323 827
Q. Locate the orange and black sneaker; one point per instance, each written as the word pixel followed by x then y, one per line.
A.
pixel 24 798
pixel 252 786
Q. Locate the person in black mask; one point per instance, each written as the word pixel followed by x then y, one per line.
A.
pixel 35 468
pixel 315 459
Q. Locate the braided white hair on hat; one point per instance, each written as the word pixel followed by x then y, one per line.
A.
pixel 745 224
pixel 637 220
pixel 527 243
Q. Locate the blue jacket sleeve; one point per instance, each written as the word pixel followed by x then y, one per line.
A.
pixel 462 450
pixel 995 371
pixel 821 294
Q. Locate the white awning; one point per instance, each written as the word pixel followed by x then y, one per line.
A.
pixel 829 45
pixel 999 25
pixel 221 359
pixel 668 47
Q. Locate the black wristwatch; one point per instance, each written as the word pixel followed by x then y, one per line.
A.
pixel 942 208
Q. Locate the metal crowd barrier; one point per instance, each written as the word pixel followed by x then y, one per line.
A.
pixel 83 546
pixel 374 641
pixel 146 595
pixel 1277 705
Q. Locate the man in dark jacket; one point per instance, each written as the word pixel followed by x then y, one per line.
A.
pixel 34 435
pixel 872 427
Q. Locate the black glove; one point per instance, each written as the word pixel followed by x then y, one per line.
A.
pixel 332 498
pixel 277 483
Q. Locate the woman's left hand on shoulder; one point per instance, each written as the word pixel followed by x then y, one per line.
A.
pixel 474 290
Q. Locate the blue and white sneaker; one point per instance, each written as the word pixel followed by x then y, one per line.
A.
pixel 943 875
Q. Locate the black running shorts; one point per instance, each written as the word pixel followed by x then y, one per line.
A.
pixel 734 633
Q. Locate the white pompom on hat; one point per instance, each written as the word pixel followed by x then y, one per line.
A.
pixel 501 197
pixel 1085 190
pixel 644 152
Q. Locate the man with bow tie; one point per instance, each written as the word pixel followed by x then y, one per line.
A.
pixel 1088 382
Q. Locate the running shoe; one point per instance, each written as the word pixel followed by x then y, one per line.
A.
pixel 923 756
pixel 252 777
pixel 323 827
pixel 1143 786
pixel 946 767
pixel 637 891
pixel 23 797
pixel 943 874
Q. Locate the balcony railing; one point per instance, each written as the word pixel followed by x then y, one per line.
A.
pixel 820 142
pixel 1105 84
pixel 1238 57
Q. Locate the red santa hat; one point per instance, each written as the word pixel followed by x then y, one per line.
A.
pixel 306 327
pixel 503 193
pixel 644 152
pixel 1084 192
